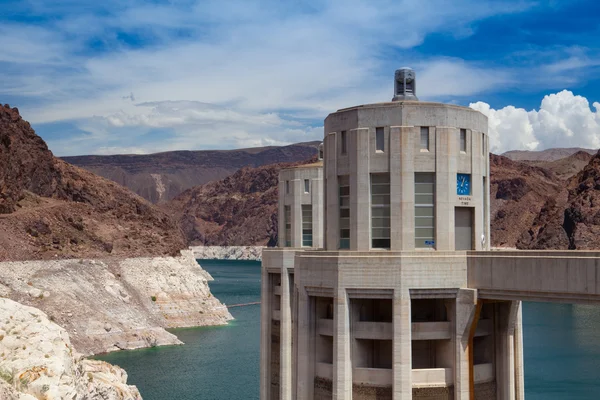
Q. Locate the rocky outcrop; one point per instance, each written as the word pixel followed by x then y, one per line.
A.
pixel 240 210
pixel 575 222
pixel 37 361
pixel 161 177
pixel 116 304
pixel 252 253
pixel 50 209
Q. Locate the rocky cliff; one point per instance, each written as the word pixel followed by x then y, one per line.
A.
pixel 51 209
pixel 37 361
pixel 240 210
pixel 251 253
pixel 112 304
pixel 161 177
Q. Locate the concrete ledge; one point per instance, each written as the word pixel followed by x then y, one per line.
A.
pixel 374 330
pixel 324 370
pixel 372 376
pixel 431 330
pixel 485 327
pixel 276 315
pixel 433 377
pixel 325 327
pixel 483 373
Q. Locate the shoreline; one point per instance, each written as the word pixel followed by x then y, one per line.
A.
pixel 249 253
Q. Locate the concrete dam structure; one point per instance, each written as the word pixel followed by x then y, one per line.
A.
pixel 383 285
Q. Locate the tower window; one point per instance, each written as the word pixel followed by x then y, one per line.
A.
pixel 379 139
pixel 287 187
pixel 344 194
pixel 463 140
pixel 306 186
pixel 424 210
pixel 425 138
pixel 344 144
pixel 483 144
pixel 287 220
pixel 380 211
pixel 307 234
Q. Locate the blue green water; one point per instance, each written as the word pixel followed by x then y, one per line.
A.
pixel 561 349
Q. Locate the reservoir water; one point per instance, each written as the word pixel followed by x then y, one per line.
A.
pixel 561 349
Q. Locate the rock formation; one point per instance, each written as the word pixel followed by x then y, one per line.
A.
pixel 161 177
pixel 252 253
pixel 239 210
pixel 51 209
pixel 37 361
pixel 116 304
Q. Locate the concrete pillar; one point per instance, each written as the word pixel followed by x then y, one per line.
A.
pixel 265 336
pixel 360 190
pixel 305 361
pixel 280 214
pixel 463 317
pixel 285 338
pixel 342 363
pixel 506 317
pixel 519 366
pixel 395 190
pixel 407 184
pixel 445 187
pixel 332 198
pixel 402 346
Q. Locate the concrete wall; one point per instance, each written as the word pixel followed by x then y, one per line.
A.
pixel 557 276
pixel 298 197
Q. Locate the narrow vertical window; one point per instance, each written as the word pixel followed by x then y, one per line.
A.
pixel 425 138
pixel 344 144
pixel 483 144
pixel 379 139
pixel 380 211
pixel 287 219
pixel 307 235
pixel 344 193
pixel 306 186
pixel 287 187
pixel 463 140
pixel 424 210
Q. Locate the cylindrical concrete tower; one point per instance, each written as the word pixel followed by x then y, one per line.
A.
pixel 406 175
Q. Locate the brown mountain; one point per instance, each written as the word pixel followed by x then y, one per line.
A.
pixel 238 210
pixel 162 176
pixel 49 208
pixel 545 155
pixel 572 222
pixel 566 167
pixel 519 193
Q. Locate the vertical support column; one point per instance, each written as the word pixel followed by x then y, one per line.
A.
pixel 280 214
pixel 395 189
pixel 332 197
pixel 285 336
pixel 360 202
pixel 265 334
pixel 506 317
pixel 477 173
pixel 297 190
pixel 519 366
pixel 306 377
pixel 317 210
pixel 407 184
pixel 402 346
pixel 464 322
pixel 342 363
pixel 445 187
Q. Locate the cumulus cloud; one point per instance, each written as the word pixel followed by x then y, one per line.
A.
pixel 563 120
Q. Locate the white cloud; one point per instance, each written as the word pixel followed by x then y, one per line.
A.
pixel 563 120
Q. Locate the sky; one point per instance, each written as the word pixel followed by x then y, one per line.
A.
pixel 113 76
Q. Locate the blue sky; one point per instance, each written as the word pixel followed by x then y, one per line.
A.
pixel 138 77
